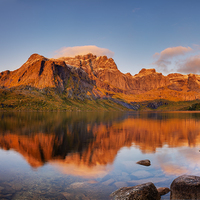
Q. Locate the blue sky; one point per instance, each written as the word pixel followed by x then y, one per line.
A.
pixel 160 34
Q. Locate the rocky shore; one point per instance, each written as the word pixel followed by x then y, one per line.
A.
pixel 183 187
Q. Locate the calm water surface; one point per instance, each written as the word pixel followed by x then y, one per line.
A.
pixel 90 155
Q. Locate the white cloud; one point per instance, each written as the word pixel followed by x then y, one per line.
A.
pixel 164 57
pixel 82 50
pixel 172 52
pixel 190 65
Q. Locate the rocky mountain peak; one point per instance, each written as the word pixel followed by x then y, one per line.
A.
pixel 147 71
pixel 36 56
pixel 176 75
pixel 91 63
pixel 86 57
pixel 83 74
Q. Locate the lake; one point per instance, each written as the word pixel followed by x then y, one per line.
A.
pixel 88 155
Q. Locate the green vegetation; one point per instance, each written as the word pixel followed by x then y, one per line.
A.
pixel 195 106
pixel 26 98
pixel 49 99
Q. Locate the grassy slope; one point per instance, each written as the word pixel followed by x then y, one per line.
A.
pixel 25 99
pixel 49 100
pixel 171 105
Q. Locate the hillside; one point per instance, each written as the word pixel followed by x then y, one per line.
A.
pixel 90 82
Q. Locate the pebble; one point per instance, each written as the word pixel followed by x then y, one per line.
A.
pixel 163 190
pixel 144 162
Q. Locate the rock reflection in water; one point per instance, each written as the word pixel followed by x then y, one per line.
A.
pixel 90 142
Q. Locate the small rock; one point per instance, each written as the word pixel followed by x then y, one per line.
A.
pixel 185 187
pixel 163 190
pixel 144 162
pixel 138 192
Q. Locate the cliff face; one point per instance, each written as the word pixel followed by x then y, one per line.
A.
pixel 41 72
pixel 106 75
pixel 89 76
pixel 148 79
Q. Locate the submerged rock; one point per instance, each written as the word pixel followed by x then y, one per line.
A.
pixel 144 191
pixel 185 187
pixel 163 190
pixel 144 162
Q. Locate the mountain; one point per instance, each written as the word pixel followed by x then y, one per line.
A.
pixel 88 77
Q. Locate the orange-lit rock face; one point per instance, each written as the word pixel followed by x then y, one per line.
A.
pixel 92 145
pixel 36 72
pixel 90 74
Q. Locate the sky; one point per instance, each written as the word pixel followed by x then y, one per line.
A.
pixel 160 34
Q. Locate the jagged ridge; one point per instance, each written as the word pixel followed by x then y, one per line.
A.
pixel 91 77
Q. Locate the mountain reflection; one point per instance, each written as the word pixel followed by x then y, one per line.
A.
pixel 90 141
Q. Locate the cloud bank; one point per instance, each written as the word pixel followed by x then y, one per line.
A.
pixel 164 57
pixel 172 52
pixel 190 65
pixel 82 50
